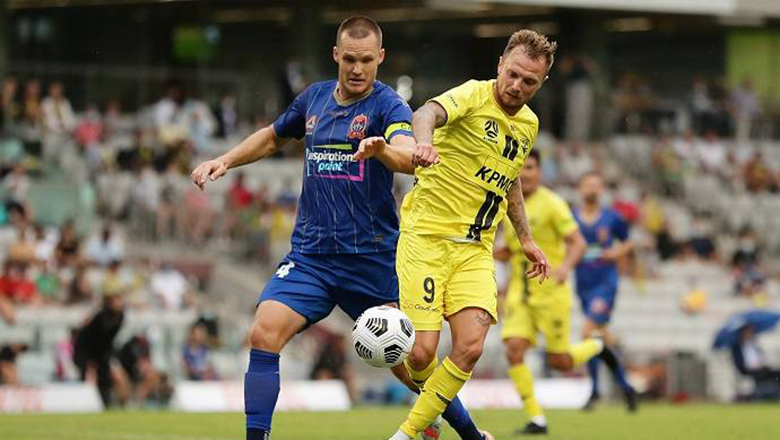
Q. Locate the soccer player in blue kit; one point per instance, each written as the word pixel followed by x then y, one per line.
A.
pixel 357 132
pixel 606 234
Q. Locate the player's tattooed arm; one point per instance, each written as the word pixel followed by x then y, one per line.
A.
pixel 516 211
pixel 424 121
pixel 259 145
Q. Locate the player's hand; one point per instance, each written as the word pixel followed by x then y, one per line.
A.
pixel 370 147
pixel 560 275
pixel 609 255
pixel 539 265
pixel 424 156
pixel 208 170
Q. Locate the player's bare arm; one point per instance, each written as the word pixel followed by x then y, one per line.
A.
pixel 259 145
pixel 424 121
pixel 575 249
pixel 516 212
pixel 618 251
pixel 396 155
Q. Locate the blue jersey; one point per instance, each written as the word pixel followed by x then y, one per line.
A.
pixel 593 271
pixel 345 207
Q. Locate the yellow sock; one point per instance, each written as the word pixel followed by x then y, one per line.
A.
pixel 440 389
pixel 523 379
pixel 419 377
pixel 585 351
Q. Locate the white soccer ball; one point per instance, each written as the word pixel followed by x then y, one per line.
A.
pixel 383 336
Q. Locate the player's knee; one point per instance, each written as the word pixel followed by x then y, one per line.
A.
pixel 421 356
pixel 560 361
pixel 467 354
pixel 266 337
pixel 515 351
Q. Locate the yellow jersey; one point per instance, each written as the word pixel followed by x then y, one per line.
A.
pixel 551 221
pixel 481 151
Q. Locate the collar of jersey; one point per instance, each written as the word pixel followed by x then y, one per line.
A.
pixel 350 101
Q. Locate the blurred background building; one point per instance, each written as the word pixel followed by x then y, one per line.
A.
pixel 107 105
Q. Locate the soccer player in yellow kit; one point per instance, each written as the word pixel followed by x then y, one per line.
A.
pixel 480 133
pixel 531 308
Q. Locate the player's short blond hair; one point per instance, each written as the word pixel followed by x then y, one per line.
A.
pixel 535 44
pixel 359 27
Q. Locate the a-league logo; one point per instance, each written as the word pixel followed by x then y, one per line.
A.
pixel 283 271
pixel 357 129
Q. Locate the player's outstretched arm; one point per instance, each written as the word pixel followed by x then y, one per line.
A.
pixel 259 145
pixel 426 119
pixel 396 155
pixel 516 211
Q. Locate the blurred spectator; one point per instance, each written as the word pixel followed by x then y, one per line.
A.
pixel 64 368
pixel 45 242
pixel 200 123
pixel 17 184
pixel 237 204
pixel 68 248
pixel 145 201
pixel 48 285
pixel 757 174
pixel 147 383
pixel 700 241
pixel 89 133
pixel 712 153
pixel 105 248
pixel 9 107
pixel 16 286
pixel 331 363
pixel 750 361
pixel 169 287
pixel 59 124
pixel 577 163
pixel 196 358
pixel 578 72
pixel 8 372
pixel 197 217
pixel 94 347
pixel 227 116
pixel 745 264
pixel 22 251
pixel 745 109
pixel 31 124
pixel 79 290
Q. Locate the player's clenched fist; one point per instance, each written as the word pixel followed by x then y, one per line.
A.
pixel 425 155
pixel 370 147
pixel 208 170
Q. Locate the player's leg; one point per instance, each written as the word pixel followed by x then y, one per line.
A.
pixel 519 334
pixel 599 313
pixel 294 298
pixel 555 325
pixel 469 302
pixel 370 280
pixel 588 331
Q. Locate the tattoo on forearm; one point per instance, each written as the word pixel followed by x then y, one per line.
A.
pixel 483 318
pixel 517 213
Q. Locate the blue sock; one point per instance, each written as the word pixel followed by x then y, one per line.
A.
pixel 261 390
pixel 620 377
pixel 458 417
pixel 593 370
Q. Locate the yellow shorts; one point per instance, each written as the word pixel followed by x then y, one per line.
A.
pixel 525 321
pixel 439 277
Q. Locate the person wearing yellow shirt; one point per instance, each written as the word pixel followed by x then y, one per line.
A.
pixel 478 136
pixel 531 308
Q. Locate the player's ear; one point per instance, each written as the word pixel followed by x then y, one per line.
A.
pixel 381 55
pixel 500 62
pixel 336 54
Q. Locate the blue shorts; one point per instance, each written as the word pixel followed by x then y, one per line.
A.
pixel 598 301
pixel 313 284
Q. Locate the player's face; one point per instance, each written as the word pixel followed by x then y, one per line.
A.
pixel 590 189
pixel 531 175
pixel 358 61
pixel 519 78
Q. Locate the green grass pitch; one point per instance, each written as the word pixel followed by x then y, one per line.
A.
pixel 653 422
